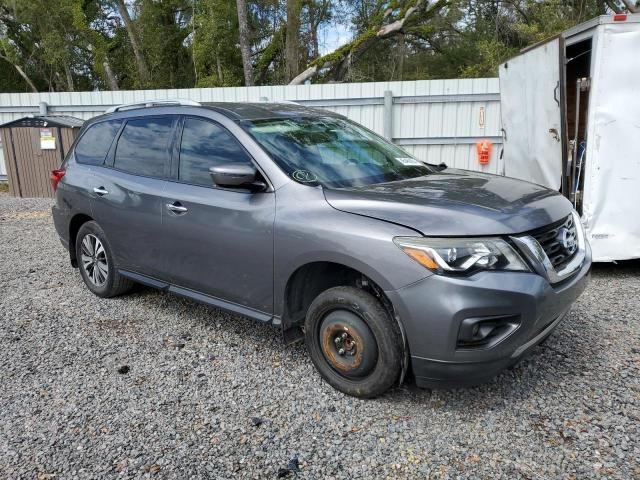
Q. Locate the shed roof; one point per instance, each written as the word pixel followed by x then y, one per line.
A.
pixel 63 121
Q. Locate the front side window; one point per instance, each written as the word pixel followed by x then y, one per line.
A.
pixel 333 152
pixel 204 145
pixel 92 148
pixel 143 146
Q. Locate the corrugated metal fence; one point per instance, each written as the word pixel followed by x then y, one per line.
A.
pixel 435 120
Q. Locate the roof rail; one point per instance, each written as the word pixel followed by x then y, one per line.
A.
pixel 266 100
pixel 153 103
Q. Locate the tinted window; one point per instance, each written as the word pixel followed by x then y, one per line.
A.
pixel 143 147
pixel 204 145
pixel 92 148
pixel 333 152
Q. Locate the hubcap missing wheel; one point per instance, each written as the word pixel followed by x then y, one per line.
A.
pixel 345 344
pixel 348 344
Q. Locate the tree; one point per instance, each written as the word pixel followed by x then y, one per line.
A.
pixel 165 28
pixel 217 59
pixel 143 69
pixel 9 50
pixel 60 45
pixel 292 54
pixel 384 23
pixel 318 12
pixel 244 40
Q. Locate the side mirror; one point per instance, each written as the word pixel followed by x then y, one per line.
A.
pixel 232 175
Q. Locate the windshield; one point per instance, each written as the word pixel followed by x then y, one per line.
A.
pixel 333 152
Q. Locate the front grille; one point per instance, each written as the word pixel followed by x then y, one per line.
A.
pixel 558 240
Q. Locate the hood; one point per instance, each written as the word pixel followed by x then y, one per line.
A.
pixel 455 203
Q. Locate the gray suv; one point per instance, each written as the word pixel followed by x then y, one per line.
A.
pixel 385 265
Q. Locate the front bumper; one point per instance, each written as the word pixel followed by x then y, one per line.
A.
pixel 433 309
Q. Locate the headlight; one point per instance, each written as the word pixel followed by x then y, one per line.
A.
pixel 462 255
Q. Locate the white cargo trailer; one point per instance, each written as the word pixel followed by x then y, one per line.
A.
pixel 571 121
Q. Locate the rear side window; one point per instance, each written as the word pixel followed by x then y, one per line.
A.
pixel 143 147
pixel 92 148
pixel 205 145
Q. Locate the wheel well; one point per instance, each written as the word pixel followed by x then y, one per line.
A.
pixel 74 225
pixel 310 280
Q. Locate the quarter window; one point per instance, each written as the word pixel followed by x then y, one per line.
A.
pixel 92 148
pixel 143 147
pixel 205 145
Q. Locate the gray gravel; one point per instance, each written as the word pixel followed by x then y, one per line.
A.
pixel 152 385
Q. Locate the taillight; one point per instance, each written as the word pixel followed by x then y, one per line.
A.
pixel 56 176
pixel 620 17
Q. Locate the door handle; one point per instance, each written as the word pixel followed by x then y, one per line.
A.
pixel 100 191
pixel 176 207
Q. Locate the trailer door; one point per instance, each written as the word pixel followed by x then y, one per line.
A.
pixel 612 168
pixel 531 87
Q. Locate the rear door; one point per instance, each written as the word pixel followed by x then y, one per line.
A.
pixel 531 96
pixel 128 190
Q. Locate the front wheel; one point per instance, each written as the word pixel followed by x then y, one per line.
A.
pixel 96 262
pixel 353 342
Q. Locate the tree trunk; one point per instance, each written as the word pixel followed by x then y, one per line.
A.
pixel 318 13
pixel 143 69
pixel 401 55
pixel 69 76
pixel 631 6
pixel 219 68
pixel 112 82
pixel 21 72
pixel 292 40
pixel 245 44
pixel 315 48
pixel 26 78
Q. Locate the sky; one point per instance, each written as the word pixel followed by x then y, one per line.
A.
pixel 332 36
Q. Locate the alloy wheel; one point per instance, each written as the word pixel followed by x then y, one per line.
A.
pixel 94 260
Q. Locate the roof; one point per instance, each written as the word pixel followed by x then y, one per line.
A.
pixel 63 121
pixel 237 111
pixel 263 110
pixel 581 32
pixel 601 20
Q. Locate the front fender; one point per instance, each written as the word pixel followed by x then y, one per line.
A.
pixel 308 230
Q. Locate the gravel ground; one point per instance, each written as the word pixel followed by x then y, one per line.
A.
pixel 152 385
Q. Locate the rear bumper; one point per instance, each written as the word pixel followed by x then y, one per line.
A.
pixel 433 310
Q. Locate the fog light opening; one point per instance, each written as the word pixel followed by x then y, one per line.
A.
pixel 485 332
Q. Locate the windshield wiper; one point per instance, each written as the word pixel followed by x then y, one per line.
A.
pixel 438 168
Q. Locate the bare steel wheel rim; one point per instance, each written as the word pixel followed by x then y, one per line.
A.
pixel 94 260
pixel 348 344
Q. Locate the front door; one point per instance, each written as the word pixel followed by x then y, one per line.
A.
pixel 219 242
pixel 530 104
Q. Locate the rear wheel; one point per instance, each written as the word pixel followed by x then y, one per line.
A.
pixel 96 262
pixel 353 342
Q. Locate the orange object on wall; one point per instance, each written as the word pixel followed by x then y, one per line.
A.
pixel 483 150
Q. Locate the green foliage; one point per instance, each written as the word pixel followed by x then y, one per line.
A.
pixel 10 80
pixel 84 44
pixel 215 53
pixel 164 27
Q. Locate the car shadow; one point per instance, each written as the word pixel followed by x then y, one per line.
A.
pixel 557 360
